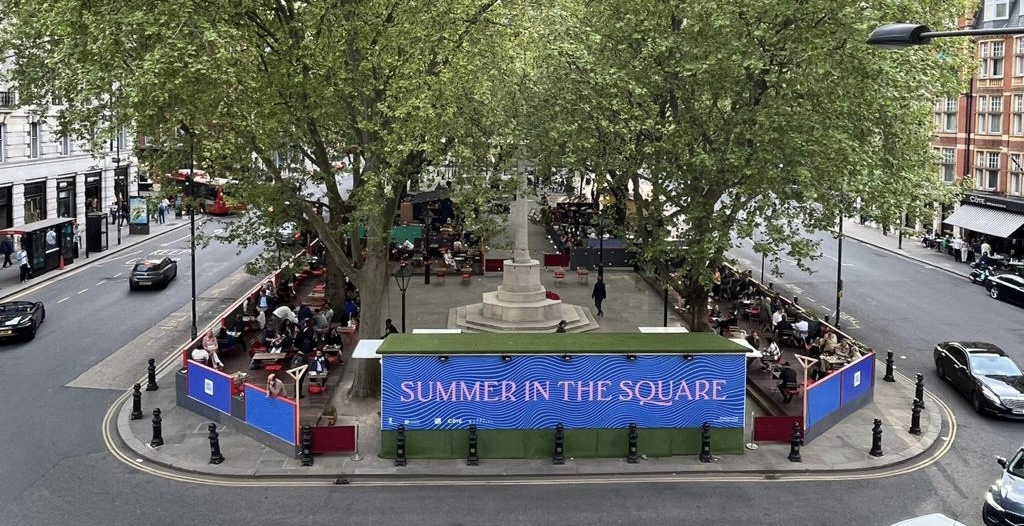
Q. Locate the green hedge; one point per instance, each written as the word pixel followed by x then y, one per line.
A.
pixel 579 443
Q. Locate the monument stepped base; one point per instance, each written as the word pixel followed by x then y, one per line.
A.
pixel 470 318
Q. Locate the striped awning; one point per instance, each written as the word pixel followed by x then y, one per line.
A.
pixel 998 223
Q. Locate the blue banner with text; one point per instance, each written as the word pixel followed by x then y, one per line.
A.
pixel 541 391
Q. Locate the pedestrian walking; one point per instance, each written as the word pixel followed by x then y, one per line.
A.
pixel 161 211
pixel 965 250
pixel 21 257
pixel 7 248
pixel 958 245
pixel 599 294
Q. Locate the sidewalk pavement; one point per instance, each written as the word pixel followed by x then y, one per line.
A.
pixel 9 277
pixel 843 448
pixel 911 249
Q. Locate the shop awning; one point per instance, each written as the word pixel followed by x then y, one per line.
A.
pixel 998 223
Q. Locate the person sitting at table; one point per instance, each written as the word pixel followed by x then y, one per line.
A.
pixel 306 339
pixel 777 316
pixel 304 314
pixel 333 338
pixel 754 340
pixel 847 352
pixel 784 327
pixel 828 343
pixel 389 328
pixel 328 313
pixel 319 363
pixel 275 387
pixel 449 261
pixel 715 312
pixel 787 382
pixel 200 355
pixel 800 329
pixel 211 346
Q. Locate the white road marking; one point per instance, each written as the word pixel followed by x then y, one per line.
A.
pixel 63 300
pixel 83 290
pixel 169 243
pixel 126 256
pixel 100 283
pixel 118 274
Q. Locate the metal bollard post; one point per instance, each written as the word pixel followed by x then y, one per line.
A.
pixel 631 456
pixel 705 442
pixel 307 445
pixel 158 438
pixel 919 389
pixel 888 368
pixel 876 439
pixel 474 457
pixel 136 403
pixel 915 418
pixel 215 456
pixel 559 457
pixel 400 446
pixel 795 441
pixel 151 379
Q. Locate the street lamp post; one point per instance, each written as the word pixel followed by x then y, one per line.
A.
pixel 839 270
pixel 192 225
pixel 899 36
pixel 402 277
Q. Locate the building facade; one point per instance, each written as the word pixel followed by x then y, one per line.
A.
pixel 980 137
pixel 44 175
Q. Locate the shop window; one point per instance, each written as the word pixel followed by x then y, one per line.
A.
pixel 6 212
pixel 33 140
pixel 35 202
pixel 66 198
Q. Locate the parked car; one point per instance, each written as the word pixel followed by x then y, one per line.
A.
pixel 932 519
pixel 984 373
pixel 152 271
pixel 21 318
pixel 1006 287
pixel 1004 501
pixel 289 234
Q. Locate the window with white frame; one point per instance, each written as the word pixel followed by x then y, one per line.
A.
pixel 1016 173
pixel 1018 55
pixel 65 145
pixel 945 115
pixel 948 164
pixel 1017 126
pixel 997 9
pixel 990 115
pixel 121 139
pixel 986 170
pixel 33 140
pixel 990 59
pixel 3 142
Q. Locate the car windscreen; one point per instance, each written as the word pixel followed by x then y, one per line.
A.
pixel 141 267
pixel 1016 465
pixel 15 309
pixel 993 365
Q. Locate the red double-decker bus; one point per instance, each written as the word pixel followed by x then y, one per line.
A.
pixel 213 192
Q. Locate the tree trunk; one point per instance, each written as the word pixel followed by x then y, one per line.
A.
pixel 697 299
pixel 373 290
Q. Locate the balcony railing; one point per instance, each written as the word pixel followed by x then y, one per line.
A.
pixel 8 99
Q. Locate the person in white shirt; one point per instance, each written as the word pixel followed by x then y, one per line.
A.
pixel 200 355
pixel 21 258
pixel 285 312
pixel 986 249
pixel 801 327
pixel 778 316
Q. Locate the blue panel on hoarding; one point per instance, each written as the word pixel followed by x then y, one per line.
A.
pixel 588 391
pixel 858 379
pixel 273 415
pixel 823 399
pixel 209 387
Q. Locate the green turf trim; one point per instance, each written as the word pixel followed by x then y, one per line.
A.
pixel 544 343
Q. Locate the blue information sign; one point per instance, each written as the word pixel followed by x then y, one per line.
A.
pixel 584 392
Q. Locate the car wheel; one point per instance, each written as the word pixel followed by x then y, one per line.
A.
pixel 43 317
pixel 940 369
pixel 131 286
pixel 976 402
pixel 32 332
pixel 993 293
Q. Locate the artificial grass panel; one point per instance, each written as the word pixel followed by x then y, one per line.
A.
pixel 543 343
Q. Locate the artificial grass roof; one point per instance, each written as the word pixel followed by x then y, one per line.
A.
pixel 552 343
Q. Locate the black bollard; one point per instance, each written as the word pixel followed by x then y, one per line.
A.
pixel 888 368
pixel 559 457
pixel 919 389
pixel 876 439
pixel 474 457
pixel 151 380
pixel 158 438
pixel 795 441
pixel 915 418
pixel 215 456
pixel 307 445
pixel 400 446
pixel 426 272
pixel 136 402
pixel 705 442
pixel 631 456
